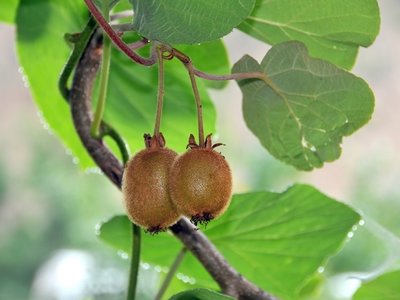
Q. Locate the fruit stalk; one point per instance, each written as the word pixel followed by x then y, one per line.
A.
pixel 160 94
pixel 192 74
pixel 197 98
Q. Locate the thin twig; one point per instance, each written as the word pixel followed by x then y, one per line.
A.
pixel 234 76
pixel 171 273
pixel 115 38
pixel 160 93
pixel 138 44
pixel 190 68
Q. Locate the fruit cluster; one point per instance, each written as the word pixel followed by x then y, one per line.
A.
pixel 160 186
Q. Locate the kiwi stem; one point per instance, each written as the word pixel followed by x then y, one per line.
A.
pixel 192 74
pixel 160 95
pixel 104 74
pixel 170 275
pixel 200 125
pixel 107 130
pixel 78 49
pixel 135 262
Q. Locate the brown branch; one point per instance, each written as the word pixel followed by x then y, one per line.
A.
pixel 230 281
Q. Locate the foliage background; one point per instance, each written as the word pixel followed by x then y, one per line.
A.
pixel 48 204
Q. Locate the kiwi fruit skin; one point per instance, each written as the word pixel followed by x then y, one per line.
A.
pixel 145 189
pixel 201 184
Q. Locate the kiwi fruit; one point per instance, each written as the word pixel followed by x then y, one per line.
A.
pixel 200 182
pixel 145 186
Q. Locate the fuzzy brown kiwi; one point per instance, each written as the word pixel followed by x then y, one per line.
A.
pixel 201 182
pixel 145 186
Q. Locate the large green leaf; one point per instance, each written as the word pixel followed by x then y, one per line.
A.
pixel 304 107
pixel 188 21
pixel 8 9
pixel 331 29
pixel 42 54
pixel 200 294
pixel 277 240
pixel 385 287
pixel 131 99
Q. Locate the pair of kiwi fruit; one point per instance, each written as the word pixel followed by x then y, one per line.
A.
pixel 159 186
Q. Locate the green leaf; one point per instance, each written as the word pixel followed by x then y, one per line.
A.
pixel 304 107
pixel 8 9
pixel 42 53
pixel 332 29
pixel 200 294
pixel 132 94
pixel 188 21
pixel 384 287
pixel 276 240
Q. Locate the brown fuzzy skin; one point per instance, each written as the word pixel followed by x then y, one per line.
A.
pixel 145 189
pixel 201 184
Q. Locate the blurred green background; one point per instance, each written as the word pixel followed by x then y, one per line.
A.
pixel 49 208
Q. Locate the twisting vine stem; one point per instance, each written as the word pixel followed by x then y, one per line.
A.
pixel 78 48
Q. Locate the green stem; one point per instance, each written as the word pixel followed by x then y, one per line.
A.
pixel 107 130
pixel 171 273
pixel 192 76
pixel 79 48
pixel 104 73
pixel 135 261
pixel 160 95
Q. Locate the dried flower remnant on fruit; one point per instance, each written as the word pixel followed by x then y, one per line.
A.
pixel 201 182
pixel 145 186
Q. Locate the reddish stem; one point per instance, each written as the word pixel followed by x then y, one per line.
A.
pixel 115 38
